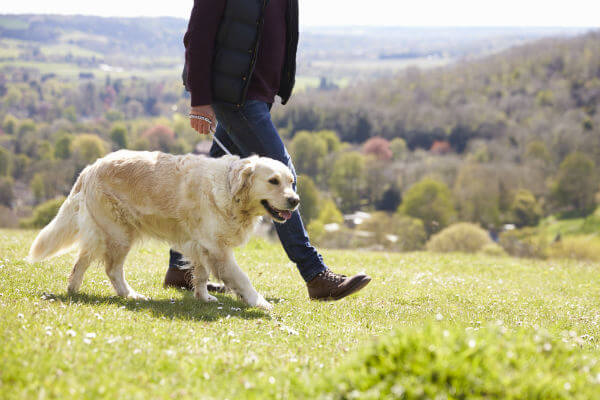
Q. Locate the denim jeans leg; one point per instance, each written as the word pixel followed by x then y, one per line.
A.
pixel 251 130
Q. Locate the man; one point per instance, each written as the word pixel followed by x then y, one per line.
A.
pixel 240 54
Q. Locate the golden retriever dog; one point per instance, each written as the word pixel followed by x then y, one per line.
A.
pixel 203 207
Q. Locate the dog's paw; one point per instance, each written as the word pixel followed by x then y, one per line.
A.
pixel 136 296
pixel 207 298
pixel 262 303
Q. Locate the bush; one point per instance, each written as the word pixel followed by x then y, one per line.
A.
pixel 434 362
pixel 43 214
pixel 464 237
pixel 8 219
pixel 395 232
pixel 524 242
pixel 576 247
pixel 431 202
pixel 493 249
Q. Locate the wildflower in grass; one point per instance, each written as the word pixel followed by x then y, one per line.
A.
pixel 71 333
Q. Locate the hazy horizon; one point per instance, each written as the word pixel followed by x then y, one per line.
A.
pixel 337 13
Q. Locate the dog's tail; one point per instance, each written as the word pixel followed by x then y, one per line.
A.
pixel 60 234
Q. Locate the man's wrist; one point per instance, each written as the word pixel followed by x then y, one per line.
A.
pixel 200 99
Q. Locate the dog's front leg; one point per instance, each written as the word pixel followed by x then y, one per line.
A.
pixel 226 268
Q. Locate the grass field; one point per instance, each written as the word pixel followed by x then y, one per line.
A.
pixel 452 326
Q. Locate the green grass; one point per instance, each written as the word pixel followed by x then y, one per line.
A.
pixel 94 345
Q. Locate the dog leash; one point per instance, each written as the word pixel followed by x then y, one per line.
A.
pixel 212 132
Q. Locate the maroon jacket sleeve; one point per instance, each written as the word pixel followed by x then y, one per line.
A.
pixel 199 42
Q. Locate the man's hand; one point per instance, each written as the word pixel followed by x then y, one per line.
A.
pixel 203 127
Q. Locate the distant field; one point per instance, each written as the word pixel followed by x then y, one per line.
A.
pixel 543 340
pixel 72 71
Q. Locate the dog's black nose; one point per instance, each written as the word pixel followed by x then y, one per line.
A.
pixel 293 201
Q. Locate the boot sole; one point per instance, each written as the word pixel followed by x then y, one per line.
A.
pixel 353 289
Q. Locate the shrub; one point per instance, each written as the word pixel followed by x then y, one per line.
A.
pixel 576 247
pixel 434 362
pixel 493 249
pixel 407 234
pixel 431 202
pixel 464 237
pixel 8 219
pixel 43 214
pixel 524 242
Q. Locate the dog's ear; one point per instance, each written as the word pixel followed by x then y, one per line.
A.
pixel 241 173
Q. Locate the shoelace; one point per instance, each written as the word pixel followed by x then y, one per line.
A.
pixel 333 277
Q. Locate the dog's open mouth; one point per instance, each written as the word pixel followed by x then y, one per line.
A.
pixel 276 214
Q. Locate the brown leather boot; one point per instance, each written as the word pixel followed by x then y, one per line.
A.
pixel 182 279
pixel 331 286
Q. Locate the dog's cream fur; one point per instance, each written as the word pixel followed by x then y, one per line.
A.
pixel 201 206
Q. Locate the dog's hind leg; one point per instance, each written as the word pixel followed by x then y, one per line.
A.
pixel 200 280
pixel 81 265
pixel 114 257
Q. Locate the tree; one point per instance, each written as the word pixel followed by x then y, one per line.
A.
pixel 63 147
pixel 118 134
pixel 309 198
pixel 398 148
pixel 88 147
pixel 525 209
pixel 7 195
pixel 43 214
pixel 390 200
pixel 38 187
pixel 476 191
pixel 332 139
pixel 309 151
pixel 5 162
pixel 348 180
pixel 160 138
pixel 576 184
pixel 10 124
pixel 378 147
pixel 329 213
pixel 430 201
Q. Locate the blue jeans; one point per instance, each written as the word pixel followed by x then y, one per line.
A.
pixel 249 130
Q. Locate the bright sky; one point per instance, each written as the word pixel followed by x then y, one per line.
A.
pixel 583 13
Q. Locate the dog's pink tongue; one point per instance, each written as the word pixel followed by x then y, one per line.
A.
pixel 285 214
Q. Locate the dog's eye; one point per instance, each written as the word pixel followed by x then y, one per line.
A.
pixel 274 181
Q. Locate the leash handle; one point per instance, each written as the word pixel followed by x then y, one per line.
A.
pixel 212 132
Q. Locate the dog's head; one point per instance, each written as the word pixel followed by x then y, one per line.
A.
pixel 264 184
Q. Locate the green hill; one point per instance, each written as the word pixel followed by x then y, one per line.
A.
pixel 465 326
